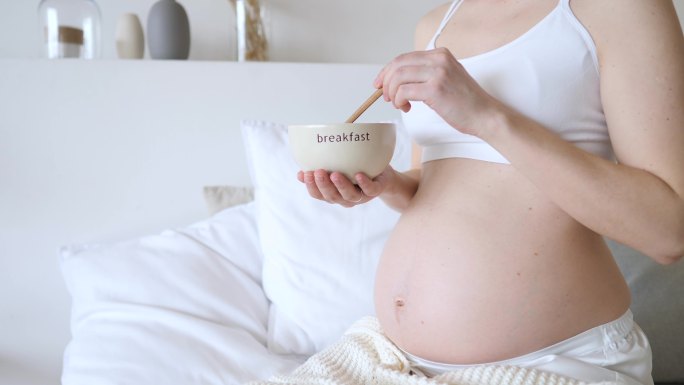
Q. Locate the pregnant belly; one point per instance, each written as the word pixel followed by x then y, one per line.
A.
pixel 494 278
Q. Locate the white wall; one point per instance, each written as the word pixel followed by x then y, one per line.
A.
pixel 350 31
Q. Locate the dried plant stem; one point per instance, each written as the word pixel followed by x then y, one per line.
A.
pixel 251 30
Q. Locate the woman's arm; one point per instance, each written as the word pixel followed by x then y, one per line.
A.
pixel 400 192
pixel 640 201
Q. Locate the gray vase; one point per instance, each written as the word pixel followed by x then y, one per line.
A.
pixel 168 31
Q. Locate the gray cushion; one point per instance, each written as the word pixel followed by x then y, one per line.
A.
pixel 658 307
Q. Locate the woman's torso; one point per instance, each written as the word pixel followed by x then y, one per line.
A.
pixel 482 266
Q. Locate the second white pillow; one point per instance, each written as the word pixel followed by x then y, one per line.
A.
pixel 319 259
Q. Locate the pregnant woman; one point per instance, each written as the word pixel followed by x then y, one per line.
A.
pixel 541 126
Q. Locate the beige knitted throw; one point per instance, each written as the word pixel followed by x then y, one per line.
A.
pixel 365 356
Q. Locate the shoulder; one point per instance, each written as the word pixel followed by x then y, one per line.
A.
pixel 427 26
pixel 622 12
pixel 641 55
pixel 628 24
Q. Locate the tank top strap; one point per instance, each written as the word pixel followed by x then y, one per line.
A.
pixel 452 9
pixel 581 29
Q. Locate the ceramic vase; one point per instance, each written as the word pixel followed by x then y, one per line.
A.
pixel 130 39
pixel 168 31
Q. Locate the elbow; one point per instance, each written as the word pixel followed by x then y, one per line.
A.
pixel 671 249
pixel 667 260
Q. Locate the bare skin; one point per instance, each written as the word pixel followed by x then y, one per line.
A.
pixel 491 261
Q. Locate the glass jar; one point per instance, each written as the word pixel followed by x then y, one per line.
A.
pixel 70 28
pixel 252 30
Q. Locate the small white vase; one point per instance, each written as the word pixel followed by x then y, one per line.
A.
pixel 130 39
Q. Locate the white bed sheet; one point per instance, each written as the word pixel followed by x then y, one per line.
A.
pixel 185 306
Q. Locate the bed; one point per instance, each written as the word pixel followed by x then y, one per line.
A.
pixel 153 232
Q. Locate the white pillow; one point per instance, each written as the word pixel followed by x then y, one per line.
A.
pixel 319 259
pixel 181 307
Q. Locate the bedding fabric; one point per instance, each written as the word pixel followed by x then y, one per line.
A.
pixel 319 259
pixel 365 356
pixel 182 307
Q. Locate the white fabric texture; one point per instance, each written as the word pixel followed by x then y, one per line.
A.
pixel 617 349
pixel 365 356
pixel 185 306
pixel 319 259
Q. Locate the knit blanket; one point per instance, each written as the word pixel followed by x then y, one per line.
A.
pixel 365 356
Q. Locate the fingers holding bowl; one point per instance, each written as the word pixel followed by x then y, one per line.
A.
pixel 337 188
pixel 370 187
pixel 309 180
pixel 347 190
pixel 326 187
pixel 333 187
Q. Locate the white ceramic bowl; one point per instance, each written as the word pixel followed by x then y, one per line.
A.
pixel 349 148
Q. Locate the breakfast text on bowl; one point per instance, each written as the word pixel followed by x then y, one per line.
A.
pixel 351 137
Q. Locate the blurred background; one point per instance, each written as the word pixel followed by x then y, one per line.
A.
pixel 351 31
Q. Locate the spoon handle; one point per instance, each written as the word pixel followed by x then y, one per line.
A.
pixel 376 95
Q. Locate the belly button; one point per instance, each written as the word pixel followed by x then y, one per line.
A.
pixel 398 307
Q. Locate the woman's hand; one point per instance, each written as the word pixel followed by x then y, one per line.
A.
pixel 436 78
pixel 338 189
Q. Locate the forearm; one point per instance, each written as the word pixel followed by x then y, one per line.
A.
pixel 401 190
pixel 626 204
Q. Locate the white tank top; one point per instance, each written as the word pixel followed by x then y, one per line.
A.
pixel 549 74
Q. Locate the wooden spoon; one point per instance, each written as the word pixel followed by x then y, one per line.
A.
pixel 376 95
